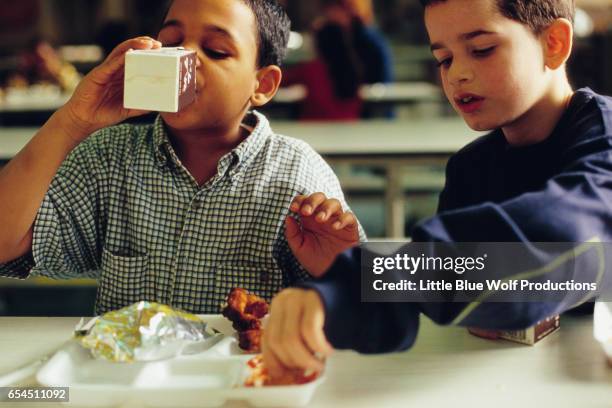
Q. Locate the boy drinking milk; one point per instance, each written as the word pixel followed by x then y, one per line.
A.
pixel 180 211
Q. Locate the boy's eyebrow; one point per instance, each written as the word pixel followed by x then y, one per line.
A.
pixel 219 30
pixel 210 28
pixel 474 34
pixel 464 37
pixel 171 23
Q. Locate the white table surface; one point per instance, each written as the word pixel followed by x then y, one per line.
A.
pixel 447 367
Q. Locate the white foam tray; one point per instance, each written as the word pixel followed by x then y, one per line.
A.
pixel 208 379
pixel 602 326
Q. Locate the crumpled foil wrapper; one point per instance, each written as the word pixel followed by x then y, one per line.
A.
pixel 144 331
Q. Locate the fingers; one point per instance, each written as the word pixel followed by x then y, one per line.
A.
pixel 346 220
pixel 327 209
pixel 296 204
pixel 138 43
pixel 295 332
pixel 298 354
pixel 271 339
pixel 312 327
pixel 316 204
pixel 306 205
pixel 271 361
pixel 274 330
pixel 116 59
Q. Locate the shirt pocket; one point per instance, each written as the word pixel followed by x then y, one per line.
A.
pixel 260 279
pixel 122 281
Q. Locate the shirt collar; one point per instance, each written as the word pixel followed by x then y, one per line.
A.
pixel 161 142
pixel 235 160
pixel 250 147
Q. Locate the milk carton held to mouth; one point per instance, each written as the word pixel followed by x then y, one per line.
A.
pixel 162 80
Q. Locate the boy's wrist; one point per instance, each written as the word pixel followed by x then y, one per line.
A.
pixel 73 129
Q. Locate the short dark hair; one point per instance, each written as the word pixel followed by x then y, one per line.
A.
pixel 535 14
pixel 273 29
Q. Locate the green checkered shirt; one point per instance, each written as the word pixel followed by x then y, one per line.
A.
pixel 124 210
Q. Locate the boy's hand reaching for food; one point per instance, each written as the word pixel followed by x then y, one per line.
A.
pixel 326 231
pixel 293 337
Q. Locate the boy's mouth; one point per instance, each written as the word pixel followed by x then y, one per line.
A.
pixel 469 103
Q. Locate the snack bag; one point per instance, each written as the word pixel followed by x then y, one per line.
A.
pixel 145 331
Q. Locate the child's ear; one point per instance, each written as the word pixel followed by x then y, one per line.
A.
pixel 268 81
pixel 558 42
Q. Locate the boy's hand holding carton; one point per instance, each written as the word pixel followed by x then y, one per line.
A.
pixel 98 100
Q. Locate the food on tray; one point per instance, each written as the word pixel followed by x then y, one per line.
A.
pixel 145 331
pixel 245 311
pixel 250 340
pixel 602 327
pixel 259 376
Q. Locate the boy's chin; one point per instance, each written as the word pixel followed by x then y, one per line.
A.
pixel 481 125
pixel 183 120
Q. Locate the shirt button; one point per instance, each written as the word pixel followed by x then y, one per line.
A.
pixel 196 204
pixel 264 276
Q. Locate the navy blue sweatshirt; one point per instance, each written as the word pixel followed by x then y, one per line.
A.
pixel 559 190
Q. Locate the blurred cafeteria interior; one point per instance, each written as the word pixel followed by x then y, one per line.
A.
pixel 390 157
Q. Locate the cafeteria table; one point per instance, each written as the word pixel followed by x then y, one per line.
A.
pixel 446 367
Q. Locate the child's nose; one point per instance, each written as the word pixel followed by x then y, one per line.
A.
pixel 192 45
pixel 460 73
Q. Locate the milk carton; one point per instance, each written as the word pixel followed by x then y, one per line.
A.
pixel 161 79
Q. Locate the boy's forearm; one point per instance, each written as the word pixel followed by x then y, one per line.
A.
pixel 25 180
pixel 363 327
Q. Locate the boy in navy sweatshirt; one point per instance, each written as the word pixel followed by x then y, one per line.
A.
pixel 543 174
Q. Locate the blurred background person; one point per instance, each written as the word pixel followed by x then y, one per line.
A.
pixel 351 52
pixel 372 46
pixel 373 50
pixel 333 78
pixel 41 64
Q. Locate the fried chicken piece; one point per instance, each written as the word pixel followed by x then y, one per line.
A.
pixel 259 375
pixel 256 306
pixel 245 310
pixel 250 340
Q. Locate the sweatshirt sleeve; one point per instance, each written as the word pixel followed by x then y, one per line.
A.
pixel 574 206
pixel 363 327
